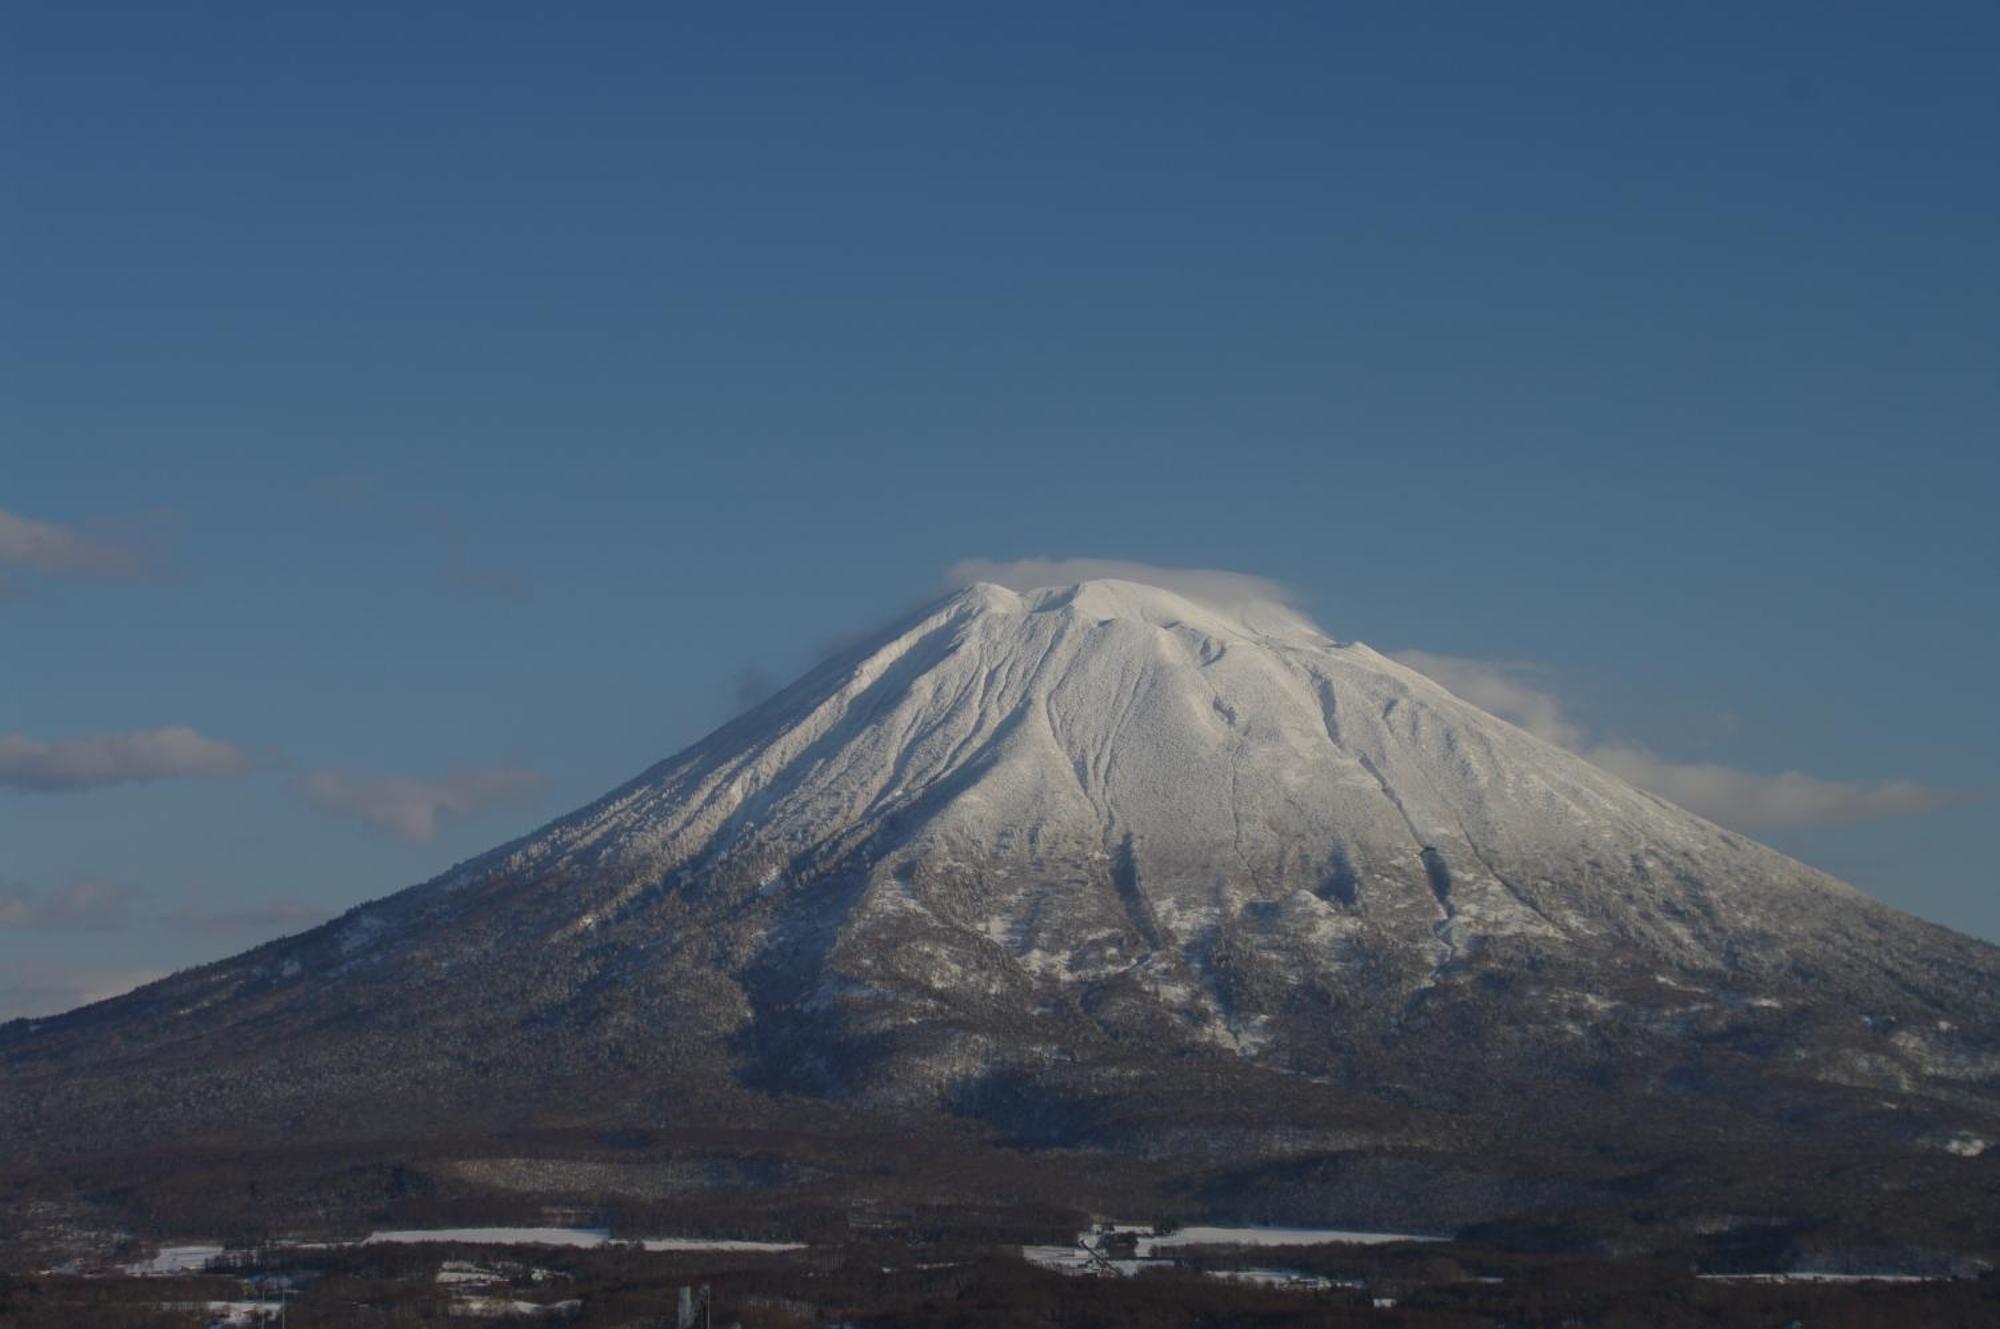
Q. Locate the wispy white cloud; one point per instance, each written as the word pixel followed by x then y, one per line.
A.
pixel 72 764
pixel 463 576
pixel 36 990
pixel 86 904
pixel 1255 602
pixel 416 807
pixel 1743 800
pixel 59 549
pixel 93 904
pixel 750 685
pixel 1754 802
pixel 1497 689
pixel 272 918
pixel 1207 585
pixel 373 495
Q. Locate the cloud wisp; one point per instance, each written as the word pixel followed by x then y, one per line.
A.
pixel 1228 590
pixel 92 904
pixel 274 918
pixel 415 807
pixel 751 685
pixel 1753 802
pixel 38 990
pixel 59 549
pixel 463 576
pixel 1741 800
pixel 86 904
pixel 1250 600
pixel 1496 688
pixel 74 764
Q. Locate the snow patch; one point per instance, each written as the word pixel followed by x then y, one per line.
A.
pixel 715 1244
pixel 1213 1235
pixel 193 1258
pixel 579 1237
pixel 493 1236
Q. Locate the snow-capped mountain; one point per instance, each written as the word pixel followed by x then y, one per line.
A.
pixel 1101 779
pixel 1097 865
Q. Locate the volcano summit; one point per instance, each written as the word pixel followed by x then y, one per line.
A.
pixel 1104 872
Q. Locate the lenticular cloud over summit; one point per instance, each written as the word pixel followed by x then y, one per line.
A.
pixel 1237 594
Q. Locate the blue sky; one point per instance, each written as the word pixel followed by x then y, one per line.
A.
pixel 444 410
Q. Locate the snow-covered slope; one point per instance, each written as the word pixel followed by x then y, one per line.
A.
pixel 1093 773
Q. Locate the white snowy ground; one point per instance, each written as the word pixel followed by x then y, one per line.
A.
pixel 230 1312
pixel 495 1236
pixel 1823 1278
pixel 584 1238
pixel 1271 1236
pixel 1152 1252
pixel 196 1257
pixel 485 1307
pixel 1289 1280
pixel 171 1260
pixel 707 1244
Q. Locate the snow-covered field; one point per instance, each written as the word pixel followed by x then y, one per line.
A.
pixel 496 1236
pixel 229 1312
pixel 196 1257
pixel 1802 1277
pixel 1289 1280
pixel 171 1260
pixel 1085 1255
pixel 494 1307
pixel 1271 1236
pixel 708 1244
pixel 1077 1260
pixel 580 1237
